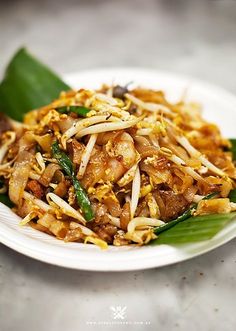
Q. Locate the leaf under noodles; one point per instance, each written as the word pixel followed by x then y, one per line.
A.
pixel 195 229
pixel 28 84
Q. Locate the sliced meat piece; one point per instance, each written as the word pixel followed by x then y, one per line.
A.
pixel 35 188
pixel 62 188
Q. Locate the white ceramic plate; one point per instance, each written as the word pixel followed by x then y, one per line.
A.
pixel 219 107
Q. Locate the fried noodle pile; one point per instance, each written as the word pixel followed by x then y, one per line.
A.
pixel 128 162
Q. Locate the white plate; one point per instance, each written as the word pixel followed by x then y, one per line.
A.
pixel 219 107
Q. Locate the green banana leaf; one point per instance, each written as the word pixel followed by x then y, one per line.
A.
pixel 28 84
pixel 195 229
pixel 5 200
pixel 233 148
pixel 232 195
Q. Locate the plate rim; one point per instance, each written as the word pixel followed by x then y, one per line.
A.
pixel 70 264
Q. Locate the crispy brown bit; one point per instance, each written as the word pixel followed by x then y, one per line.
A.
pixel 119 158
pixel 73 115
pixel 35 188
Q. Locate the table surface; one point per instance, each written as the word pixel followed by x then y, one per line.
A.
pixel 195 38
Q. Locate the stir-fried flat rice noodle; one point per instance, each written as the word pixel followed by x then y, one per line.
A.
pixel 128 163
